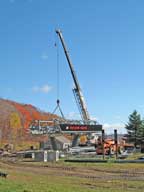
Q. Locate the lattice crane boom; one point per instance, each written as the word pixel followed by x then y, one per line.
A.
pixel 77 90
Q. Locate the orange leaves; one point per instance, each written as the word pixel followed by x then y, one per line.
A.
pixel 28 113
pixel 26 117
pixel 16 118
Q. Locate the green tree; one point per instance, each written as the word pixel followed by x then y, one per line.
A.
pixel 134 127
pixel 141 133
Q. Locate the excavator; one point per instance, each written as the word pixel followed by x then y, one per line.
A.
pixel 109 147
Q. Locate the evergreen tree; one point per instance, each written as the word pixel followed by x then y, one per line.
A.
pixel 135 127
pixel 141 133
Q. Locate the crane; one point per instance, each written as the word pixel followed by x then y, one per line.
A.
pixel 66 126
pixel 76 90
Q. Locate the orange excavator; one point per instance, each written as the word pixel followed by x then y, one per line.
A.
pixel 108 147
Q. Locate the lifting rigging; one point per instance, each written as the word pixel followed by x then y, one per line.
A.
pixel 58 100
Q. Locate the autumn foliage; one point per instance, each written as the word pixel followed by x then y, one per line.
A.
pixel 16 118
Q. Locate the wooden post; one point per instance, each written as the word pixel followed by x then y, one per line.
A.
pixel 103 141
pixel 116 142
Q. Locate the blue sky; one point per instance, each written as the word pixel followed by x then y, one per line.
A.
pixel 105 41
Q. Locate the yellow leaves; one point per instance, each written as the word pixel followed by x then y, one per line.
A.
pixel 15 122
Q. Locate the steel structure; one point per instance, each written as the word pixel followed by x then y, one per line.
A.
pixel 77 90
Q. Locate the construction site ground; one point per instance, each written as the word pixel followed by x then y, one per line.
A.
pixel 70 177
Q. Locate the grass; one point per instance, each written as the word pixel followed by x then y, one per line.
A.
pixel 64 185
pixel 43 184
pixel 36 179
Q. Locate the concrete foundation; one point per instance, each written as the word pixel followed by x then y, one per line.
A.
pixel 46 156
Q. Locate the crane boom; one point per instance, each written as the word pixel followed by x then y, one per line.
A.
pixel 77 90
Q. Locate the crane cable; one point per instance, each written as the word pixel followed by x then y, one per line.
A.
pixel 57 66
pixel 58 80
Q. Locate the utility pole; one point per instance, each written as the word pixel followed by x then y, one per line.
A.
pixel 103 142
pixel 135 142
pixel 116 142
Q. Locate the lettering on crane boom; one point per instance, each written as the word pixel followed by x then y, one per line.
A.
pixel 70 128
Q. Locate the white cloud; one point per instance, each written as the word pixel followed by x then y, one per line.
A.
pixel 42 89
pixel 44 56
pixel 93 118
pixel 73 116
pixel 45 88
pixel 76 116
pixel 109 128
pixel 118 117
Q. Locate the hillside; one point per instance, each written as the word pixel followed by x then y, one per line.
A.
pixel 15 119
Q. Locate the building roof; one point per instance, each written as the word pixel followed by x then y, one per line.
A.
pixel 62 139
